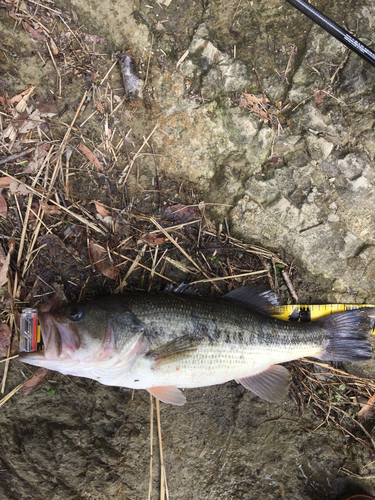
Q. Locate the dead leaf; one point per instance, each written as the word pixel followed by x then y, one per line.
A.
pixel 152 238
pixel 100 107
pixel 180 214
pixel 53 303
pixel 257 104
pixel 37 118
pixel 33 211
pixel 39 156
pixel 95 39
pixel 182 267
pixel 12 12
pixel 5 182
pixel 254 99
pixel 4 99
pixel 90 156
pixel 49 209
pixel 54 243
pixel 94 75
pixel 12 245
pixel 5 335
pixel 319 97
pixel 18 188
pixel 18 97
pixel 101 209
pixel 202 208
pixel 10 132
pixel 100 258
pixel 2 254
pixel 35 380
pixel 5 262
pixel 22 190
pixel 53 46
pixel 3 207
pixel 33 33
pixel 159 26
pixel 367 408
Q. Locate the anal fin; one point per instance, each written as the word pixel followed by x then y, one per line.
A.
pixel 169 394
pixel 271 384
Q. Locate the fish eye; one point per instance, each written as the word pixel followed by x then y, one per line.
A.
pixel 75 313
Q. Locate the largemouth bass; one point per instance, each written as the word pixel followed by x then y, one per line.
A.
pixel 164 342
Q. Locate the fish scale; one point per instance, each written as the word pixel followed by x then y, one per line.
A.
pixel 218 325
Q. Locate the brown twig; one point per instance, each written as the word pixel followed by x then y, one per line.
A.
pixel 15 156
pixel 151 444
pixel 156 174
pixel 163 476
pixel 289 284
pixel 286 71
pixel 181 249
pixel 262 89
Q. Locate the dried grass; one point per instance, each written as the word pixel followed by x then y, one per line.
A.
pixel 333 395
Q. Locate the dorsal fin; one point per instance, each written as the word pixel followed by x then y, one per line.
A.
pixel 182 288
pixel 256 298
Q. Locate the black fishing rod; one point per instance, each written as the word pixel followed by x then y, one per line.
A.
pixel 335 30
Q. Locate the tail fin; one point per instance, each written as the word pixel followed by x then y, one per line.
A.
pixel 346 335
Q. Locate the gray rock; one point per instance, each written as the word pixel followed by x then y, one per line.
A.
pixel 316 214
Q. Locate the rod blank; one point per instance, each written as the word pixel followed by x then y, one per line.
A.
pixel 335 30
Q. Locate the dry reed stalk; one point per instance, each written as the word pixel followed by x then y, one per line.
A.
pixel 172 240
pixel 151 444
pixel 178 226
pixel 62 148
pixel 108 73
pixel 56 68
pixel 13 392
pixel 125 173
pixel 8 359
pixel 61 207
pixel 116 108
pixel 134 265
pixel 163 476
pixel 153 267
pixel 209 280
pixel 148 61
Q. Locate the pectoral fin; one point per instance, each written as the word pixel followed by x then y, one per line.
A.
pixel 168 394
pixel 174 350
pixel 271 384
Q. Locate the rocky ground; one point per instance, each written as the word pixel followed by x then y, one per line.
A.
pixel 269 121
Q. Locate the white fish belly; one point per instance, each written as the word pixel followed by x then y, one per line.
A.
pixel 214 365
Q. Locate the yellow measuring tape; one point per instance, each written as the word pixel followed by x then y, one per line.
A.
pixel 306 313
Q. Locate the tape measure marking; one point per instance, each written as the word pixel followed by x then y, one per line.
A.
pixel 307 313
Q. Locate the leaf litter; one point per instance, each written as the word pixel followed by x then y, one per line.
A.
pixel 100 257
pixel 5 336
pixel 3 207
pixel 148 240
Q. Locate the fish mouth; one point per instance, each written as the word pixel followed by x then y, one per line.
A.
pixel 60 340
